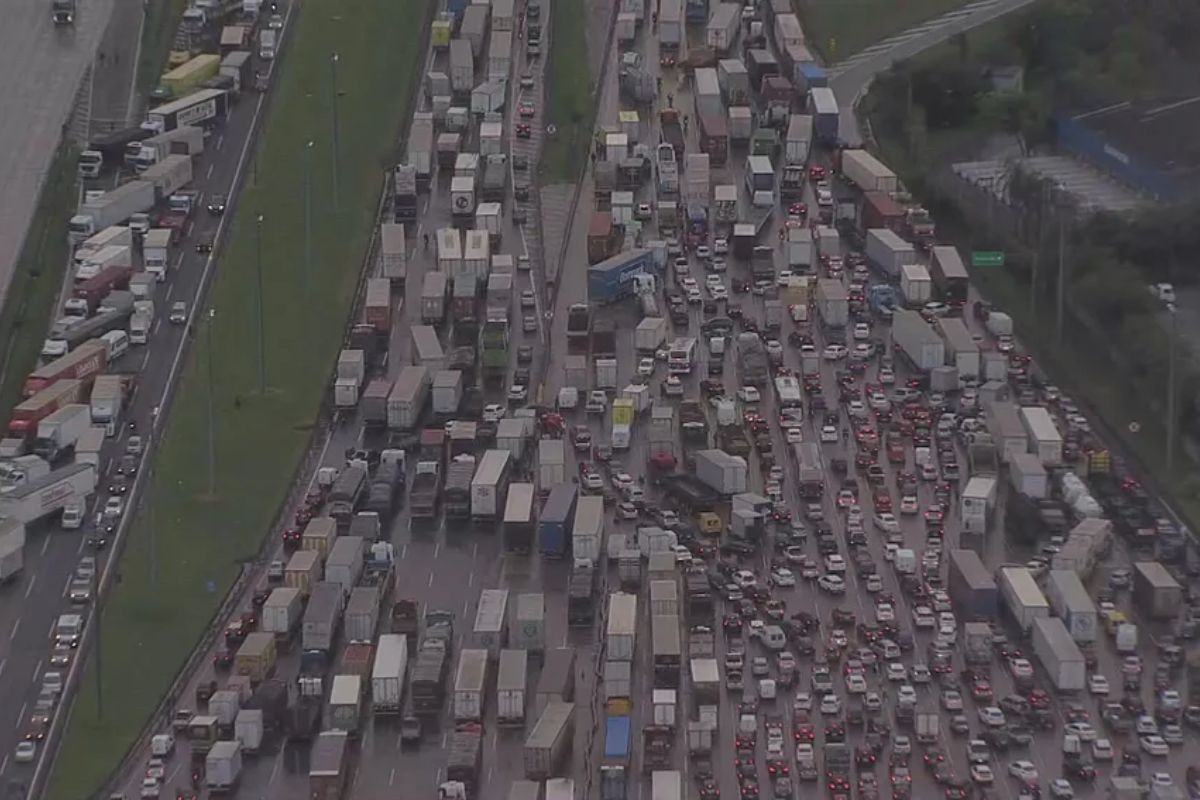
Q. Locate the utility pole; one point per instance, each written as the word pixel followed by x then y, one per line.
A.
pixel 1172 335
pixel 308 150
pixel 99 638
pixel 1062 273
pixel 212 417
pixel 333 64
pixel 262 352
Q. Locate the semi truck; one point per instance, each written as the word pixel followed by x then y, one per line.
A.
pixel 58 433
pixel 198 108
pixel 111 208
pixel 12 549
pixel 617 277
pixel 511 687
pixel 49 494
pixel 187 140
pixel 917 340
pixel 550 740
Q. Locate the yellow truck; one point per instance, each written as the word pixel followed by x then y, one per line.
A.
pixel 256 657
pixel 302 571
pixel 185 78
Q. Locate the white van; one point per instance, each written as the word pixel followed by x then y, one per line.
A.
pixel 116 342
pixel 266 44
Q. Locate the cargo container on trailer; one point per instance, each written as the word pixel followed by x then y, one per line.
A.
pixel 1007 429
pixel 917 340
pixel 491 622
pixel 1045 441
pixel 550 739
pixel 1070 601
pixel 512 681
pixel 971 587
pixel 888 252
pixel 388 674
pixel 489 487
pixel 868 172
pixel 1022 596
pixel 1059 655
pixel 1156 593
pixel 470 686
pixel 622 626
pixel 587 534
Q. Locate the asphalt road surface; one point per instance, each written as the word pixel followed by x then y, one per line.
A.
pixel 45 65
pixel 850 79
pixel 38 596
pixel 445 567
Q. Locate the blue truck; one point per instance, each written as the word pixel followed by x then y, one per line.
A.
pixel 613 278
pixel 696 12
pixel 554 524
pixel 614 769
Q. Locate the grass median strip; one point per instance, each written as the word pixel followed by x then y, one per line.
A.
pixel 36 280
pixel 158 33
pixel 840 29
pixel 187 544
pixel 569 106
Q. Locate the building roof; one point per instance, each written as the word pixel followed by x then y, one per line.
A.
pixel 1151 132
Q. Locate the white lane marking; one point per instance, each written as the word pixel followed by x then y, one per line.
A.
pixel 32 583
pixel 221 139
pixel 437 548
pixel 392 776
pixel 403 551
pixel 16 627
pixel 45 544
pixel 470 579
pixel 3 664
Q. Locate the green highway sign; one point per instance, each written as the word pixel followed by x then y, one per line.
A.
pixel 987 258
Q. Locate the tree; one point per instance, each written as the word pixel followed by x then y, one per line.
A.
pixel 1024 115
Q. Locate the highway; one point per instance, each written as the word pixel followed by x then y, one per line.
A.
pixel 850 79
pixel 31 605
pixel 46 65
pixel 445 567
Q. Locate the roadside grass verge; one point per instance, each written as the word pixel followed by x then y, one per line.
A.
pixel 569 106
pixel 38 277
pixel 187 545
pixel 158 32
pixel 838 29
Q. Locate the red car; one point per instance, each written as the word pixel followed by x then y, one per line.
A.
pixel 816 172
pixel 523 130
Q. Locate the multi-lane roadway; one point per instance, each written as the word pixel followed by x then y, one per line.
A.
pixel 52 555
pixel 446 567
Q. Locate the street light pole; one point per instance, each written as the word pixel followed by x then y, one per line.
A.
pixel 99 639
pixel 1172 335
pixel 262 354
pixel 333 64
pixel 212 417
pixel 1062 275
pixel 308 149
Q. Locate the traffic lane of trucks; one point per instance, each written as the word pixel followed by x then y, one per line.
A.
pixel 46 593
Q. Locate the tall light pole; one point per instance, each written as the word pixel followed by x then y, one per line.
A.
pixel 262 354
pixel 1172 335
pixel 333 64
pixel 308 150
pixel 212 417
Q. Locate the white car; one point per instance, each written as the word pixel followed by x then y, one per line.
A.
pixel 982 774
pixel 874 583
pixel 835 352
pixel 744 579
pixel 902 745
pixel 720 246
pixel 862 331
pixel 1154 746
pixel 952 700
pixel 794 435
pixel 1102 750
pixel 991 717
pixel 1060 789
pixel 113 507
pixel 646 367
pixel 835 563
pixel 906 694
pixel 923 618
pixel 1083 730
pixel 1023 771
pixel 1021 668
pixel 896 672
pixel 782 576
pixel 151 788
pixel 627 511
pixel 748 394
pixel 829 434
pixel 802 702
pixel 25 753
pixel 493 412
pixel 831 705
pixel 884 612
pixel 856 684
pixel 832 583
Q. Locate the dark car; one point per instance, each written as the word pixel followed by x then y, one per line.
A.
pixel 128 465
pixel 216 205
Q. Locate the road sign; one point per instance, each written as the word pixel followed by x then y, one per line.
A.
pixel 987 258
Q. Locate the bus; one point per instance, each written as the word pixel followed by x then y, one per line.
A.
pixel 949 276
pixel 787 391
pixel 808 464
pixel 668 651
pixel 682 356
pixel 519 518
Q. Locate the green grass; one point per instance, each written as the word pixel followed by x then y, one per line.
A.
pixel 154 618
pixel 840 28
pixel 37 279
pixel 569 105
pixel 158 32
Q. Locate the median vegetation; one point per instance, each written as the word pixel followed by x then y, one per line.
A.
pixel 188 543
pixel 570 107
pixel 839 30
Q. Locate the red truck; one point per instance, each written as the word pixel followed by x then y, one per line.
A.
pixel 27 415
pixel 879 210
pixel 83 363
pixel 714 137
pixel 96 288
pixel 377 310
pixel 601 241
